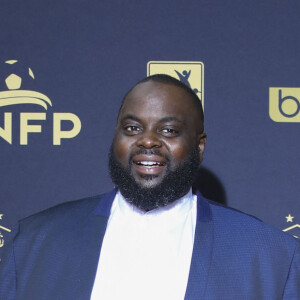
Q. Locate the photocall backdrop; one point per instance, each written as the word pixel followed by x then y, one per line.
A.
pixel 65 66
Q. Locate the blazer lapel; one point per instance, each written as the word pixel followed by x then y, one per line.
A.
pixel 92 236
pixel 202 251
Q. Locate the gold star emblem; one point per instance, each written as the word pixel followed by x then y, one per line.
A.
pixel 1 215
pixel 289 218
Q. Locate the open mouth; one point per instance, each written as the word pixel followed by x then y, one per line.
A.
pixel 149 163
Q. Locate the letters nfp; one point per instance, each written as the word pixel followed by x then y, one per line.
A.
pixel 27 128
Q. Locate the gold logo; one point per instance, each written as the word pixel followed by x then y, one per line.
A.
pixel 294 229
pixel 2 230
pixel 189 72
pixel 14 95
pixel 284 105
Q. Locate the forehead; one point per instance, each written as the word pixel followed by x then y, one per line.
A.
pixel 155 99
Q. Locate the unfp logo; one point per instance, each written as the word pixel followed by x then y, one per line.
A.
pixel 13 94
pixel 189 72
pixel 284 105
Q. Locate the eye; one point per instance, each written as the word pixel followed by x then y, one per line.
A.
pixel 131 129
pixel 169 132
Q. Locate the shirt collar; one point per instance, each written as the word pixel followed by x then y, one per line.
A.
pixel 181 206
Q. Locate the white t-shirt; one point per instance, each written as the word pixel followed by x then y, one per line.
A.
pixel 146 255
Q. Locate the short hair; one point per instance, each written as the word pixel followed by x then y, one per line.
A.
pixel 167 79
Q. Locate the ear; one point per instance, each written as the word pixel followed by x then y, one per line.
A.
pixel 201 145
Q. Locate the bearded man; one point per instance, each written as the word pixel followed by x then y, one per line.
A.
pixel 152 237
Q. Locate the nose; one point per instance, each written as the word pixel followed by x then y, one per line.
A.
pixel 149 140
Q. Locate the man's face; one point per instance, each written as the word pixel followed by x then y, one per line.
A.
pixel 158 128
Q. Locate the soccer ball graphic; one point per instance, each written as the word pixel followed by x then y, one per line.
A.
pixel 14 79
pixel 18 86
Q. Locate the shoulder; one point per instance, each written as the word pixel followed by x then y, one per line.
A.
pixel 60 215
pixel 243 230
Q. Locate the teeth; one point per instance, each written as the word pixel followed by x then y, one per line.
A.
pixel 148 163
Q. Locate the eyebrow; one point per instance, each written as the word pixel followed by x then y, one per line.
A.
pixel 162 120
pixel 168 119
pixel 132 117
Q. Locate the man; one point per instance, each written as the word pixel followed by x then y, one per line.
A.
pixel 152 237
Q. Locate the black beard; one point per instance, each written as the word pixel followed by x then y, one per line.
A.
pixel 175 184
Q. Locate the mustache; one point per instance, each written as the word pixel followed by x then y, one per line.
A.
pixel 148 152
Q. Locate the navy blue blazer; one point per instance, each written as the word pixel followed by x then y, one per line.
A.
pixel 55 253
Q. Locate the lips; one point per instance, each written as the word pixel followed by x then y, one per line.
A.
pixel 149 164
